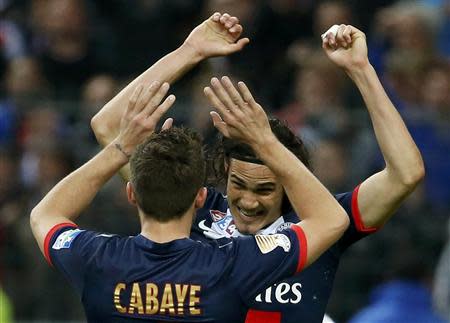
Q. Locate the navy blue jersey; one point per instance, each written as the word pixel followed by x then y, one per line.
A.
pixel 121 279
pixel 303 297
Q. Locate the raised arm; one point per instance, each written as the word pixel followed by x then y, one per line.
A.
pixel 65 202
pixel 219 35
pixel 241 118
pixel 381 194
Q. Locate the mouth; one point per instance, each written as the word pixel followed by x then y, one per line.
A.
pixel 249 214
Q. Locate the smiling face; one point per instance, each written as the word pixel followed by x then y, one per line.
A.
pixel 254 196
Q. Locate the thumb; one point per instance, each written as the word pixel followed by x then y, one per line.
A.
pixel 239 45
pixel 219 124
pixel 167 124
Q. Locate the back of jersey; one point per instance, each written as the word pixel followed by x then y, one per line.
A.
pixel 122 279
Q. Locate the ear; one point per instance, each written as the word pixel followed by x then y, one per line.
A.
pixel 226 165
pixel 130 194
pixel 200 199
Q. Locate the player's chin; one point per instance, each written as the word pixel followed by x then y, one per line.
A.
pixel 249 227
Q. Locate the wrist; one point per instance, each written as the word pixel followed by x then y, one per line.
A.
pixel 359 70
pixel 264 144
pixel 191 53
pixel 121 153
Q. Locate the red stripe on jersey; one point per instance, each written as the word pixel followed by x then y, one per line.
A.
pixel 254 316
pixel 303 247
pixel 357 215
pixel 49 236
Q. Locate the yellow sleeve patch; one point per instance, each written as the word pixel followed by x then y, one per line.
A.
pixel 267 243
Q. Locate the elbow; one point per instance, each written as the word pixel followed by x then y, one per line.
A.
pixel 408 175
pixel 345 222
pixel 100 129
pixel 97 126
pixel 340 224
pixel 412 178
pixel 34 219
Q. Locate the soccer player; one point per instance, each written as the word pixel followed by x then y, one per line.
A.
pixel 255 202
pixel 161 274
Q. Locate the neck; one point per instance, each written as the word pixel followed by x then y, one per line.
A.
pixel 168 231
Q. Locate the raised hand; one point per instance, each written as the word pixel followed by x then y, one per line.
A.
pixel 346 46
pixel 239 116
pixel 143 112
pixel 217 36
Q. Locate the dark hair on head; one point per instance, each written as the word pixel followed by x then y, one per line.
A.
pixel 225 148
pixel 167 170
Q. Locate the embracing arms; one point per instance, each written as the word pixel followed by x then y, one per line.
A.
pixel 381 194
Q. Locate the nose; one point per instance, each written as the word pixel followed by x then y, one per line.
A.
pixel 248 201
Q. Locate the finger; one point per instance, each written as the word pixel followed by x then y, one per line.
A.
pixel 161 109
pixel 216 103
pixel 246 94
pixel 167 124
pixel 235 20
pixel 233 93
pixel 156 99
pixel 224 18
pixel 340 40
pixel 135 96
pixel 326 45
pixel 332 40
pixel 330 34
pixel 241 43
pixel 219 124
pixel 231 22
pixel 356 33
pixel 236 29
pixel 223 95
pixel 146 95
pixel 215 16
pixel 347 34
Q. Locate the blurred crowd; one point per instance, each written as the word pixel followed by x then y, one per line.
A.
pixel 62 60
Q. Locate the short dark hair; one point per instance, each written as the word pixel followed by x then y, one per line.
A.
pixel 225 148
pixel 167 170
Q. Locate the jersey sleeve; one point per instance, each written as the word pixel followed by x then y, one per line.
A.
pixel 356 229
pixel 262 260
pixel 68 249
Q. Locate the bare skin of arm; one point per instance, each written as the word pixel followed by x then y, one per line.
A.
pixel 241 118
pixel 217 36
pixel 381 194
pixel 65 202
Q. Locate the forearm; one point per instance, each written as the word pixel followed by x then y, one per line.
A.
pixel 74 193
pixel 306 193
pixel 168 69
pixel 402 157
pixel 323 219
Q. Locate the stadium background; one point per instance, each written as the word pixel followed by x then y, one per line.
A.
pixel 61 60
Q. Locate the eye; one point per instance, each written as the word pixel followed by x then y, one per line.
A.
pixel 238 185
pixel 264 191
